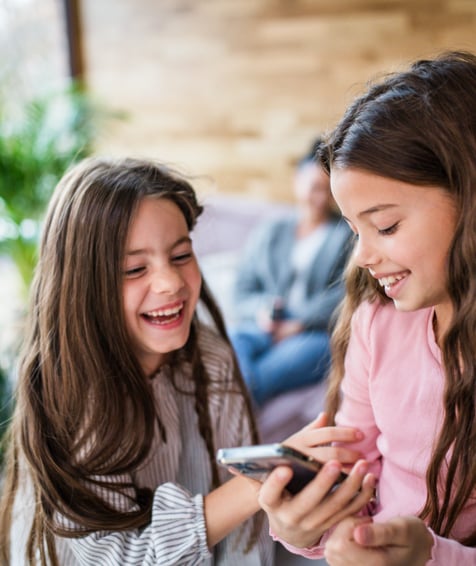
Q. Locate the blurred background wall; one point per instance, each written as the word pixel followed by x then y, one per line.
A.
pixel 236 89
pixel 232 91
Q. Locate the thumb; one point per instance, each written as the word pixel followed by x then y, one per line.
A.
pixel 373 534
pixel 272 491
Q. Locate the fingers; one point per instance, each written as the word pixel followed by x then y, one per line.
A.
pixel 336 434
pixel 326 453
pixel 272 491
pixel 300 520
pixel 353 494
pixel 322 485
pixel 314 435
pixel 372 535
pixel 396 532
pixel 341 550
pixel 307 500
pixel 399 541
pixel 333 434
pixel 347 526
pixel 318 496
pixel 378 534
pixel 303 518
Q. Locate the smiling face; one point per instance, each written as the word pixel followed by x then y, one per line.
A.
pixel 404 233
pixel 161 283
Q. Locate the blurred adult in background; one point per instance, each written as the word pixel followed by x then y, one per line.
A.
pixel 288 284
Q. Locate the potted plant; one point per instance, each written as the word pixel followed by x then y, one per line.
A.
pixel 49 134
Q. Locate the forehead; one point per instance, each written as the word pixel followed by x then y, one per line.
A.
pixel 156 216
pixel 153 206
pixel 359 193
pixel 360 190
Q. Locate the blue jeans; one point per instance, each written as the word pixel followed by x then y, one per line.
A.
pixel 273 368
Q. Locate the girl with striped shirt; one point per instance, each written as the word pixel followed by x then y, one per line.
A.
pixel 124 396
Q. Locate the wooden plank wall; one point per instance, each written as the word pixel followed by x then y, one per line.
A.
pixel 234 90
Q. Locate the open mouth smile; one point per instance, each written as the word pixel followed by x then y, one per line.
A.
pixel 390 280
pixel 164 316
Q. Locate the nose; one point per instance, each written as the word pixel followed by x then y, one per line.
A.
pixel 166 279
pixel 365 254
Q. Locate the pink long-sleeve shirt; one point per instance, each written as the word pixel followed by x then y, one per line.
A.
pixel 392 391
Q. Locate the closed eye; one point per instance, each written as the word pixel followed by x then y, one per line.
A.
pixel 182 258
pixel 390 230
pixel 134 272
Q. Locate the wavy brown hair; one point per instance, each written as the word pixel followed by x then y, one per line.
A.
pixel 419 126
pixel 78 376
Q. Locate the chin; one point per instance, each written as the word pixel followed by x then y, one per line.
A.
pixel 404 306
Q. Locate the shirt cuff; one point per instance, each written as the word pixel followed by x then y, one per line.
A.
pixel 178 515
pixel 312 552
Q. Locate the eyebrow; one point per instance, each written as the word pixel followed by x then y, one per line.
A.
pixel 182 240
pixel 373 210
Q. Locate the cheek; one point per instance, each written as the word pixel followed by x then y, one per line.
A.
pixel 130 300
pixel 428 254
pixel 198 282
pixel 414 256
pixel 194 279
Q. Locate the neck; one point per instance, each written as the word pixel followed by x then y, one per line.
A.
pixel 441 321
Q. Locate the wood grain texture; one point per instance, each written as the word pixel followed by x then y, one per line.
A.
pixel 235 90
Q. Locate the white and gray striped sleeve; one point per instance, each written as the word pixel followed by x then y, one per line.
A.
pixel 175 535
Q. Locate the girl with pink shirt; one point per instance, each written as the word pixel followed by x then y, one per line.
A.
pixel 402 165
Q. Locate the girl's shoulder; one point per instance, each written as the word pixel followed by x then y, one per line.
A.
pixel 367 311
pixel 214 350
pixel 218 359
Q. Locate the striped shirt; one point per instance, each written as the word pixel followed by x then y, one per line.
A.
pixel 179 473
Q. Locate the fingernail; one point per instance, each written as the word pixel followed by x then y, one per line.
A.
pixel 282 473
pixel 361 467
pixel 359 435
pixel 365 534
pixel 370 480
pixel 333 468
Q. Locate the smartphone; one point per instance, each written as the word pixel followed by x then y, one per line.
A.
pixel 259 460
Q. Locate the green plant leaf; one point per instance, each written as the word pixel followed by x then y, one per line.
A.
pixel 36 148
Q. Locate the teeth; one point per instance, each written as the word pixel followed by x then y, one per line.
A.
pixel 388 281
pixel 166 312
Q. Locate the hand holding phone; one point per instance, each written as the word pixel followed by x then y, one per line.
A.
pixel 258 461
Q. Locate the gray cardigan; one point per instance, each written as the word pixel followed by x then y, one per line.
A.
pixel 264 272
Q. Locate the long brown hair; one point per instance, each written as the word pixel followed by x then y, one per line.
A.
pixel 78 377
pixel 419 126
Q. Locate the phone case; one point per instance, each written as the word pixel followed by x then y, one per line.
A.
pixel 259 460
